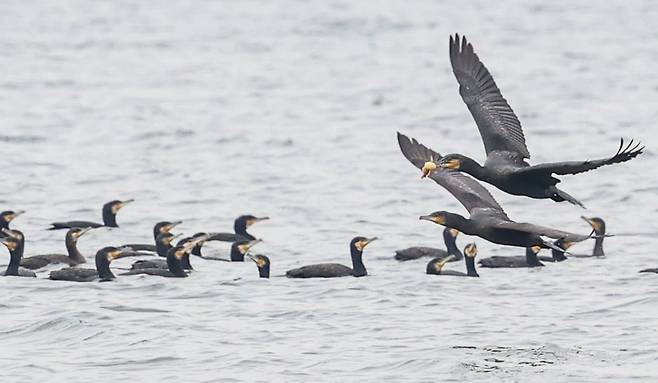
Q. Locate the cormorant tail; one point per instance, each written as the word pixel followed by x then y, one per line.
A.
pixel 564 196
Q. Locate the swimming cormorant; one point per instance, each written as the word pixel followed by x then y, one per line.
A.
pixel 162 244
pixel 239 249
pixel 263 264
pixel 334 270
pixel 243 222
pixel 650 271
pixel 487 219
pixel 15 245
pixel 503 137
pixel 529 260
pixel 557 255
pixel 103 258
pixel 598 224
pixel 73 258
pixel 110 211
pixel 449 237
pixel 174 266
pixel 435 266
pixel 159 228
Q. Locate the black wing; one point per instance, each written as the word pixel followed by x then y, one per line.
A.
pixel 541 230
pixel 624 153
pixel 499 127
pixel 468 191
pixel 227 237
pixel 72 224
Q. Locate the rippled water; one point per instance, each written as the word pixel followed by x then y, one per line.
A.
pixel 205 110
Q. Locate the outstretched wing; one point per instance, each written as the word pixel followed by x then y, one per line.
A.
pixel 624 153
pixel 468 191
pixel 542 230
pixel 499 127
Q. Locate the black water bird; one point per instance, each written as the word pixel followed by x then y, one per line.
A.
pixel 243 222
pixel 650 271
pixel 529 260
pixel 72 258
pixel 435 266
pixel 15 245
pixel 109 212
pixel 558 254
pixel 334 270
pixel 239 249
pixel 503 137
pixel 598 225
pixel 102 272
pixel 7 216
pixel 159 228
pixel 174 266
pixel 449 238
pixel 263 264
pixel 487 218
pixel 162 244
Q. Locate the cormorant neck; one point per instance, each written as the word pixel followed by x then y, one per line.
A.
pixel 460 223
pixel 161 248
pixel 103 268
pixel 109 218
pixel 72 249
pixel 358 268
pixel 175 266
pixel 598 247
pixel 185 262
pixel 470 267
pixel 197 251
pixel 236 255
pixel 15 260
pixel 240 227
pixel 451 245
pixel 3 225
pixel 264 272
pixel 470 166
pixel 531 258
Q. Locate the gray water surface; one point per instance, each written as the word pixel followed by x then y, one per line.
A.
pixel 206 110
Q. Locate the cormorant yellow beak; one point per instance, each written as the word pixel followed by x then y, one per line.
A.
pixel 360 245
pixel 438 266
pixel 167 228
pixel 451 164
pixel 120 252
pixel 438 219
pixel 10 217
pixel 535 249
pixel 427 169
pixel 255 220
pixel 471 250
pixel 245 247
pixel 116 207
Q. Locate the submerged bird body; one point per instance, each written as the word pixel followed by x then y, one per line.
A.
pixel 109 214
pixel 449 237
pixel 503 138
pixel 335 270
pixel 487 218
pixel 435 266
pixel 15 245
pixel 73 258
pixel 529 260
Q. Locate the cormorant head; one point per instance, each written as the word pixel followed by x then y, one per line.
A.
pixel 165 227
pixel 598 225
pixel 239 249
pixel 75 233
pixel 471 250
pixel 9 215
pixel 438 217
pixel 116 205
pixel 451 161
pixel 436 265
pixel 263 264
pixel 360 243
pixel 245 221
pixel 167 238
pixel 105 256
pixel 13 233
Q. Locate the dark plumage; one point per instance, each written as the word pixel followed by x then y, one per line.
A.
pixel 435 266
pixel 243 222
pixel 557 255
pixel 7 216
pixel 598 225
pixel 503 137
pixel 162 245
pixel 15 244
pixel 103 258
pixel 263 264
pixel 449 237
pixel 73 258
pixel 650 271
pixel 333 270
pixel 529 260
pixel 174 265
pixel 487 218
pixel 109 212
pixel 159 228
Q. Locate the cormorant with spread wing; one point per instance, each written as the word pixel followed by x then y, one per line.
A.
pixel 503 138
pixel 487 219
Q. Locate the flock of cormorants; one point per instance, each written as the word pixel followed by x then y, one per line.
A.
pixel 505 167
